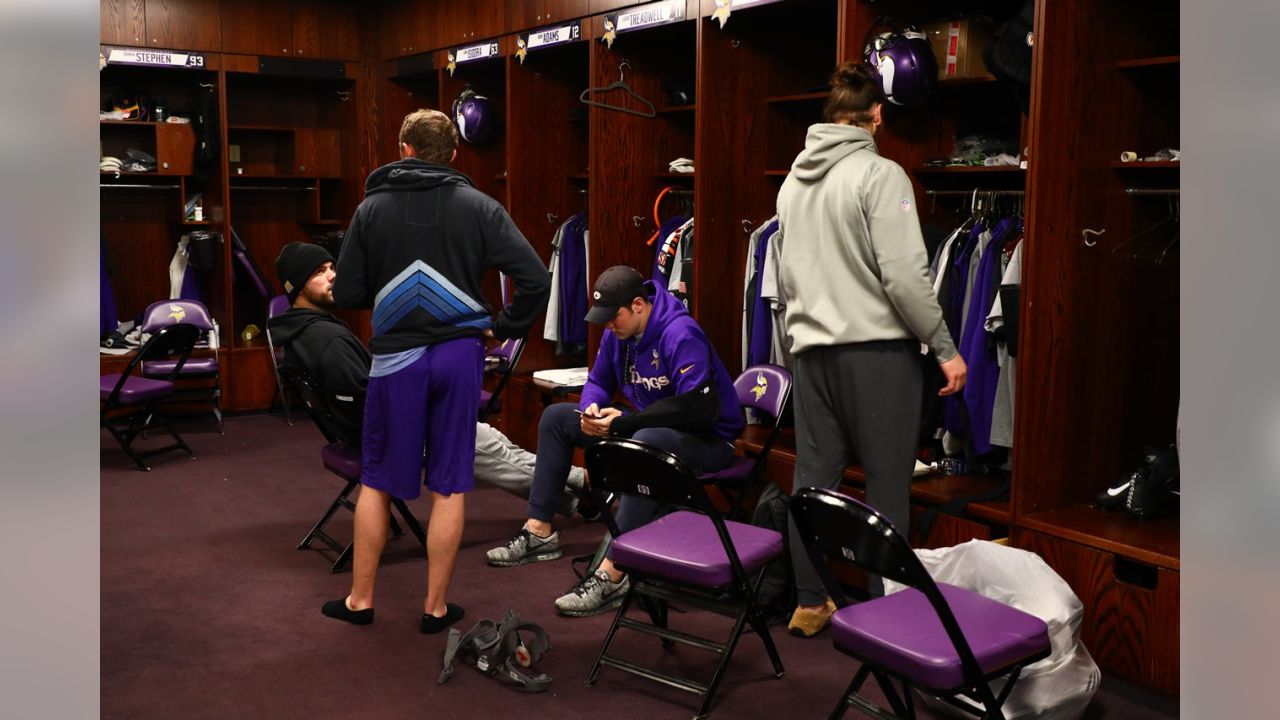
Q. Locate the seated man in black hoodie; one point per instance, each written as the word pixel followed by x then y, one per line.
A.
pixel 317 341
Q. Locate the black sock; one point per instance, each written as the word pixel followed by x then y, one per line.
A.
pixel 432 624
pixel 338 609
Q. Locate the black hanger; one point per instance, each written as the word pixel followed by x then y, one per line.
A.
pixel 620 84
pixel 1152 231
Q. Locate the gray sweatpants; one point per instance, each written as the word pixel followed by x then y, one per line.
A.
pixel 506 465
pixel 857 400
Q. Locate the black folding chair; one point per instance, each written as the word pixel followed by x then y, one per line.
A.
pixel 341 460
pixel 278 305
pixel 130 402
pixel 692 556
pixel 935 638
pixel 501 362
pixel 204 369
pixel 766 390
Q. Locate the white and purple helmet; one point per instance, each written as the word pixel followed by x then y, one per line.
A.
pixel 903 64
pixel 475 117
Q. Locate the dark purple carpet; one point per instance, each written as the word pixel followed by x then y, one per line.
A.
pixel 208 611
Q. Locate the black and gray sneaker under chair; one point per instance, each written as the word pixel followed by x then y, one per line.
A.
pixel 692 557
pixel 948 642
pixel 130 402
pixel 343 461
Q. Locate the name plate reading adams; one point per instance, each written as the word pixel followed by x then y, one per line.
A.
pixel 548 37
pixel 153 58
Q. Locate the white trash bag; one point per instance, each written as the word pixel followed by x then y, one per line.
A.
pixel 1056 688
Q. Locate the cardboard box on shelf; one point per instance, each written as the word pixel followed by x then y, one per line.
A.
pixel 958 46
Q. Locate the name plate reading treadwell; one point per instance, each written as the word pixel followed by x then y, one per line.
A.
pixel 153 58
pixel 659 13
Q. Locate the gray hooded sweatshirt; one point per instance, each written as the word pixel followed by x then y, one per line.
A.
pixel 852 263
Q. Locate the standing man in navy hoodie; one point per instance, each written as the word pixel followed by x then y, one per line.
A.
pixel 684 401
pixel 416 253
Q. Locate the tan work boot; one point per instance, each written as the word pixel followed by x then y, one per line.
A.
pixel 807 623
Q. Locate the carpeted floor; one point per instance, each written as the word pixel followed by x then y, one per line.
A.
pixel 208 611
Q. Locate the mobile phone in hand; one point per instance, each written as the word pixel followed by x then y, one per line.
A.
pixel 585 415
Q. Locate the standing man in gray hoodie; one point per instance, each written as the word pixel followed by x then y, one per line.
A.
pixel 859 302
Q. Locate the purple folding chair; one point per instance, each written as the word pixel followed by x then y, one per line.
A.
pixel 501 361
pixel 190 312
pixel 766 389
pixel 122 392
pixel 341 460
pixel 278 305
pixel 934 638
pixel 692 556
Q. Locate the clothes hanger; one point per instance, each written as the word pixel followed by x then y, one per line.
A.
pixel 620 84
pixel 1146 234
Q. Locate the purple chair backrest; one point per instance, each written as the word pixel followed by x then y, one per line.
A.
pixel 765 388
pixel 278 305
pixel 172 312
pixel 508 354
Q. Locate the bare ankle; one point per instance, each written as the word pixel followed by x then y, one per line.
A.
pixel 541 528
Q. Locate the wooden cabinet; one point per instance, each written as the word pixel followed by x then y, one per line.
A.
pixel 190 25
pixel 463 23
pixel 526 14
pixel 122 22
pixel 327 29
pixel 257 28
pixel 303 28
pixel 317 152
pixel 408 28
pixel 184 24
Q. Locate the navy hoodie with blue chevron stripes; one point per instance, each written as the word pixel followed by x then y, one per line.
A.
pixel 416 253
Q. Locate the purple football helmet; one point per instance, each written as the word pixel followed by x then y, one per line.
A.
pixel 904 64
pixel 475 117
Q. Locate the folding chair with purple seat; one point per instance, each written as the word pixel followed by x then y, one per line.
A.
pixel 122 392
pixel 692 556
pixel 500 361
pixel 190 312
pixel 932 637
pixel 278 305
pixel 765 389
pixel 341 460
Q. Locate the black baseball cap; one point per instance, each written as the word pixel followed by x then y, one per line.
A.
pixel 615 288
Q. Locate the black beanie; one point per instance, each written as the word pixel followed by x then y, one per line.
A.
pixel 296 263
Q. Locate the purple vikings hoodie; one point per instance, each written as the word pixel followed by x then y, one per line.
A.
pixel 670 374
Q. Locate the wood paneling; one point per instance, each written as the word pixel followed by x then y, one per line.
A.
pixel 545 151
pixel 122 22
pixel 527 14
pixel 175 149
pixel 257 28
pixel 327 29
pixel 184 24
pixel 255 381
pixel 1129 629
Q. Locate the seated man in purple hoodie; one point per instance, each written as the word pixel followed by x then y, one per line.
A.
pixel 658 356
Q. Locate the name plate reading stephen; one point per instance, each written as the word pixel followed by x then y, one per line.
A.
pixel 154 58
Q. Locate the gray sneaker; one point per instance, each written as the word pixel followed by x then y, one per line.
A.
pixel 594 595
pixel 525 547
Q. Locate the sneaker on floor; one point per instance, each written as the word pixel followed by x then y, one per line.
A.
pixel 807 623
pixel 594 595
pixel 525 547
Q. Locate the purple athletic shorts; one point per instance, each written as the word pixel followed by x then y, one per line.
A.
pixel 428 406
